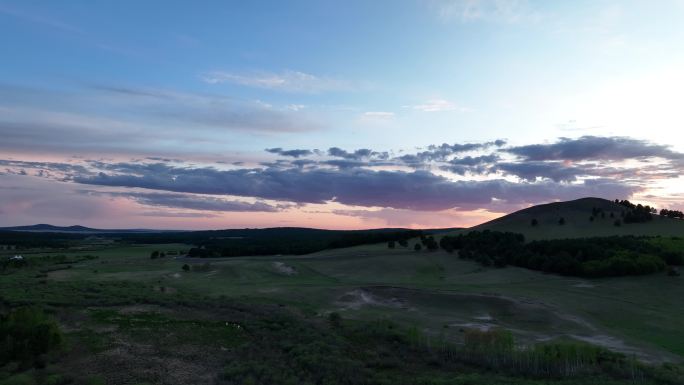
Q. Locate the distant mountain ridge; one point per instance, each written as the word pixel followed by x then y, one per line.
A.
pixel 76 229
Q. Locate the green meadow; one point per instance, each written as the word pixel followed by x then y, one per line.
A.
pixel 360 315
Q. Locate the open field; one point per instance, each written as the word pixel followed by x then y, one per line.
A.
pixel 367 314
pixel 435 291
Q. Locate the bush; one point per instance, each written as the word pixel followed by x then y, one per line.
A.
pixel 495 341
pixel 417 247
pixel 27 334
pixel 430 243
pixel 186 267
pixel 335 319
pixel 390 244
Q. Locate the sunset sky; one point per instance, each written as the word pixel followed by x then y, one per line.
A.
pixel 334 114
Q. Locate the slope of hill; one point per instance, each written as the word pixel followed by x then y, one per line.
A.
pixel 577 224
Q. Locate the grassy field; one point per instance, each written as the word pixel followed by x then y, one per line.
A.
pixel 193 320
pixel 435 291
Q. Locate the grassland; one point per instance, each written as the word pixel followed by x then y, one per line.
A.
pixel 214 320
pixel 434 290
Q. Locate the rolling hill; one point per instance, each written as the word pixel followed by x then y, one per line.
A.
pixel 577 215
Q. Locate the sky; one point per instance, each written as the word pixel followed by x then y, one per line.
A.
pixel 328 114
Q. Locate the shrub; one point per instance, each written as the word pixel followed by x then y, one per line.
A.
pixel 390 244
pixel 335 319
pixel 186 267
pixel 417 247
pixel 26 334
pixel 431 244
pixel 495 341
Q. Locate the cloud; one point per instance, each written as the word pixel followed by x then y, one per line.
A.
pixel 356 155
pixel 419 190
pixel 295 107
pixel 131 120
pixel 499 11
pixel 475 165
pixel 378 115
pixel 462 176
pixel 215 111
pixel 410 218
pixel 438 105
pixel 594 148
pixel 288 81
pixel 292 153
pixel 345 163
pixel 24 199
pixel 193 202
pixel 176 214
pixel 37 18
pixel 65 168
pixel 442 153
pixel 556 171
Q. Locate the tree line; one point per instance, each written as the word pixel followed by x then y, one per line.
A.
pixel 588 257
pixel 671 214
pixel 291 241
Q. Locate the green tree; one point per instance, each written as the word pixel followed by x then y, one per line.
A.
pixel 26 334
pixel 335 319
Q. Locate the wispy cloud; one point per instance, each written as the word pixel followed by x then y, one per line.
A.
pixel 120 119
pixel 501 11
pixel 192 202
pixel 378 115
pixel 288 81
pixel 39 18
pixel 438 105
